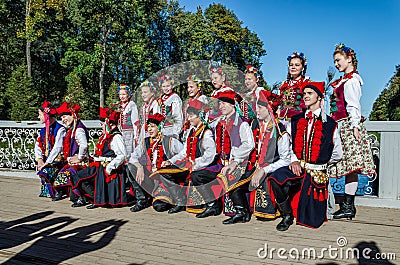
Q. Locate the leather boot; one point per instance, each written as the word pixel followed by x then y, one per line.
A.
pixel 178 195
pixel 212 209
pixel 142 199
pixel 287 215
pixel 347 208
pixel 242 215
pixel 80 202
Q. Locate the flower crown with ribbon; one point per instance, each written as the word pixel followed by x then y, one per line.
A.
pixel 148 84
pixel 164 78
pixel 252 70
pixel 343 48
pixel 195 79
pixel 298 55
pixel 124 87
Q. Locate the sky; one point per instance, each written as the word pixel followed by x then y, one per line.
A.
pixel 314 27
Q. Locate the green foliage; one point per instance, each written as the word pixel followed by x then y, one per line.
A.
pixel 112 96
pixel 387 105
pixel 22 96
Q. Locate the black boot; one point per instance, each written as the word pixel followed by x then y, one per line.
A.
pixel 178 195
pixel 242 215
pixel 347 208
pixel 287 215
pixel 142 199
pixel 80 202
pixel 212 209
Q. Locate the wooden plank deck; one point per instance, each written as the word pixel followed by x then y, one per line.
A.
pixel 38 231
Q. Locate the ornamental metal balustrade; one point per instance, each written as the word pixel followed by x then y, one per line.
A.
pixel 17 140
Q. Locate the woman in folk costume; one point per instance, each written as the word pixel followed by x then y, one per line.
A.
pixel 346 110
pixel 235 141
pixel 194 89
pixel 315 144
pixel 103 181
pixel 252 80
pixel 219 82
pixel 75 149
pixel 170 106
pixel 273 151
pixel 48 150
pixel 148 169
pixel 291 90
pixel 149 107
pixel 199 156
pixel 129 118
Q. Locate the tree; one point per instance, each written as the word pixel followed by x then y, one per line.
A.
pixel 387 105
pixel 22 96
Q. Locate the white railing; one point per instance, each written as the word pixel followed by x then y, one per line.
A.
pixel 17 140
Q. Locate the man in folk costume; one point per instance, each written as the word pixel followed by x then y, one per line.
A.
pixel 235 141
pixel 199 156
pixel 273 151
pixel 147 169
pixel 315 143
pixel 75 147
pixel 48 150
pixel 103 181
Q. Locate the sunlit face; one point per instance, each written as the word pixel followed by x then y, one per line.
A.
pixel 147 94
pixel 194 119
pixel 217 80
pixel 250 80
pixel 311 98
pixel 342 63
pixel 226 108
pixel 167 87
pixel 152 130
pixel 67 120
pixel 193 89
pixel 124 96
pixel 263 113
pixel 41 116
pixel 295 67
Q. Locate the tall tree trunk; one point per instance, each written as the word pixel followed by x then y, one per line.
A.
pixel 28 41
pixel 28 58
pixel 102 69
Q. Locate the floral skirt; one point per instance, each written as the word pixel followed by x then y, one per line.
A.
pixel 357 155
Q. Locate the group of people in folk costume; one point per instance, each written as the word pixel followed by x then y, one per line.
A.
pixel 257 153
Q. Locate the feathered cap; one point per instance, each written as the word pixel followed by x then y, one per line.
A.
pixel 68 109
pixel 318 87
pixel 109 114
pixel 268 98
pixel 156 118
pixel 228 96
pixel 48 108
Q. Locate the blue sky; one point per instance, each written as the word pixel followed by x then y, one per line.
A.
pixel 371 28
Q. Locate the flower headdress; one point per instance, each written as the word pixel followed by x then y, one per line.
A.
pixel 252 70
pixel 164 78
pixel 217 70
pixel 124 87
pixel 343 48
pixel 298 55
pixel 148 84
pixel 195 79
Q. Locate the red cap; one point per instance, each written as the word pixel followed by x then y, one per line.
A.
pixel 267 97
pixel 48 108
pixel 68 109
pixel 156 118
pixel 318 87
pixel 107 113
pixel 228 96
